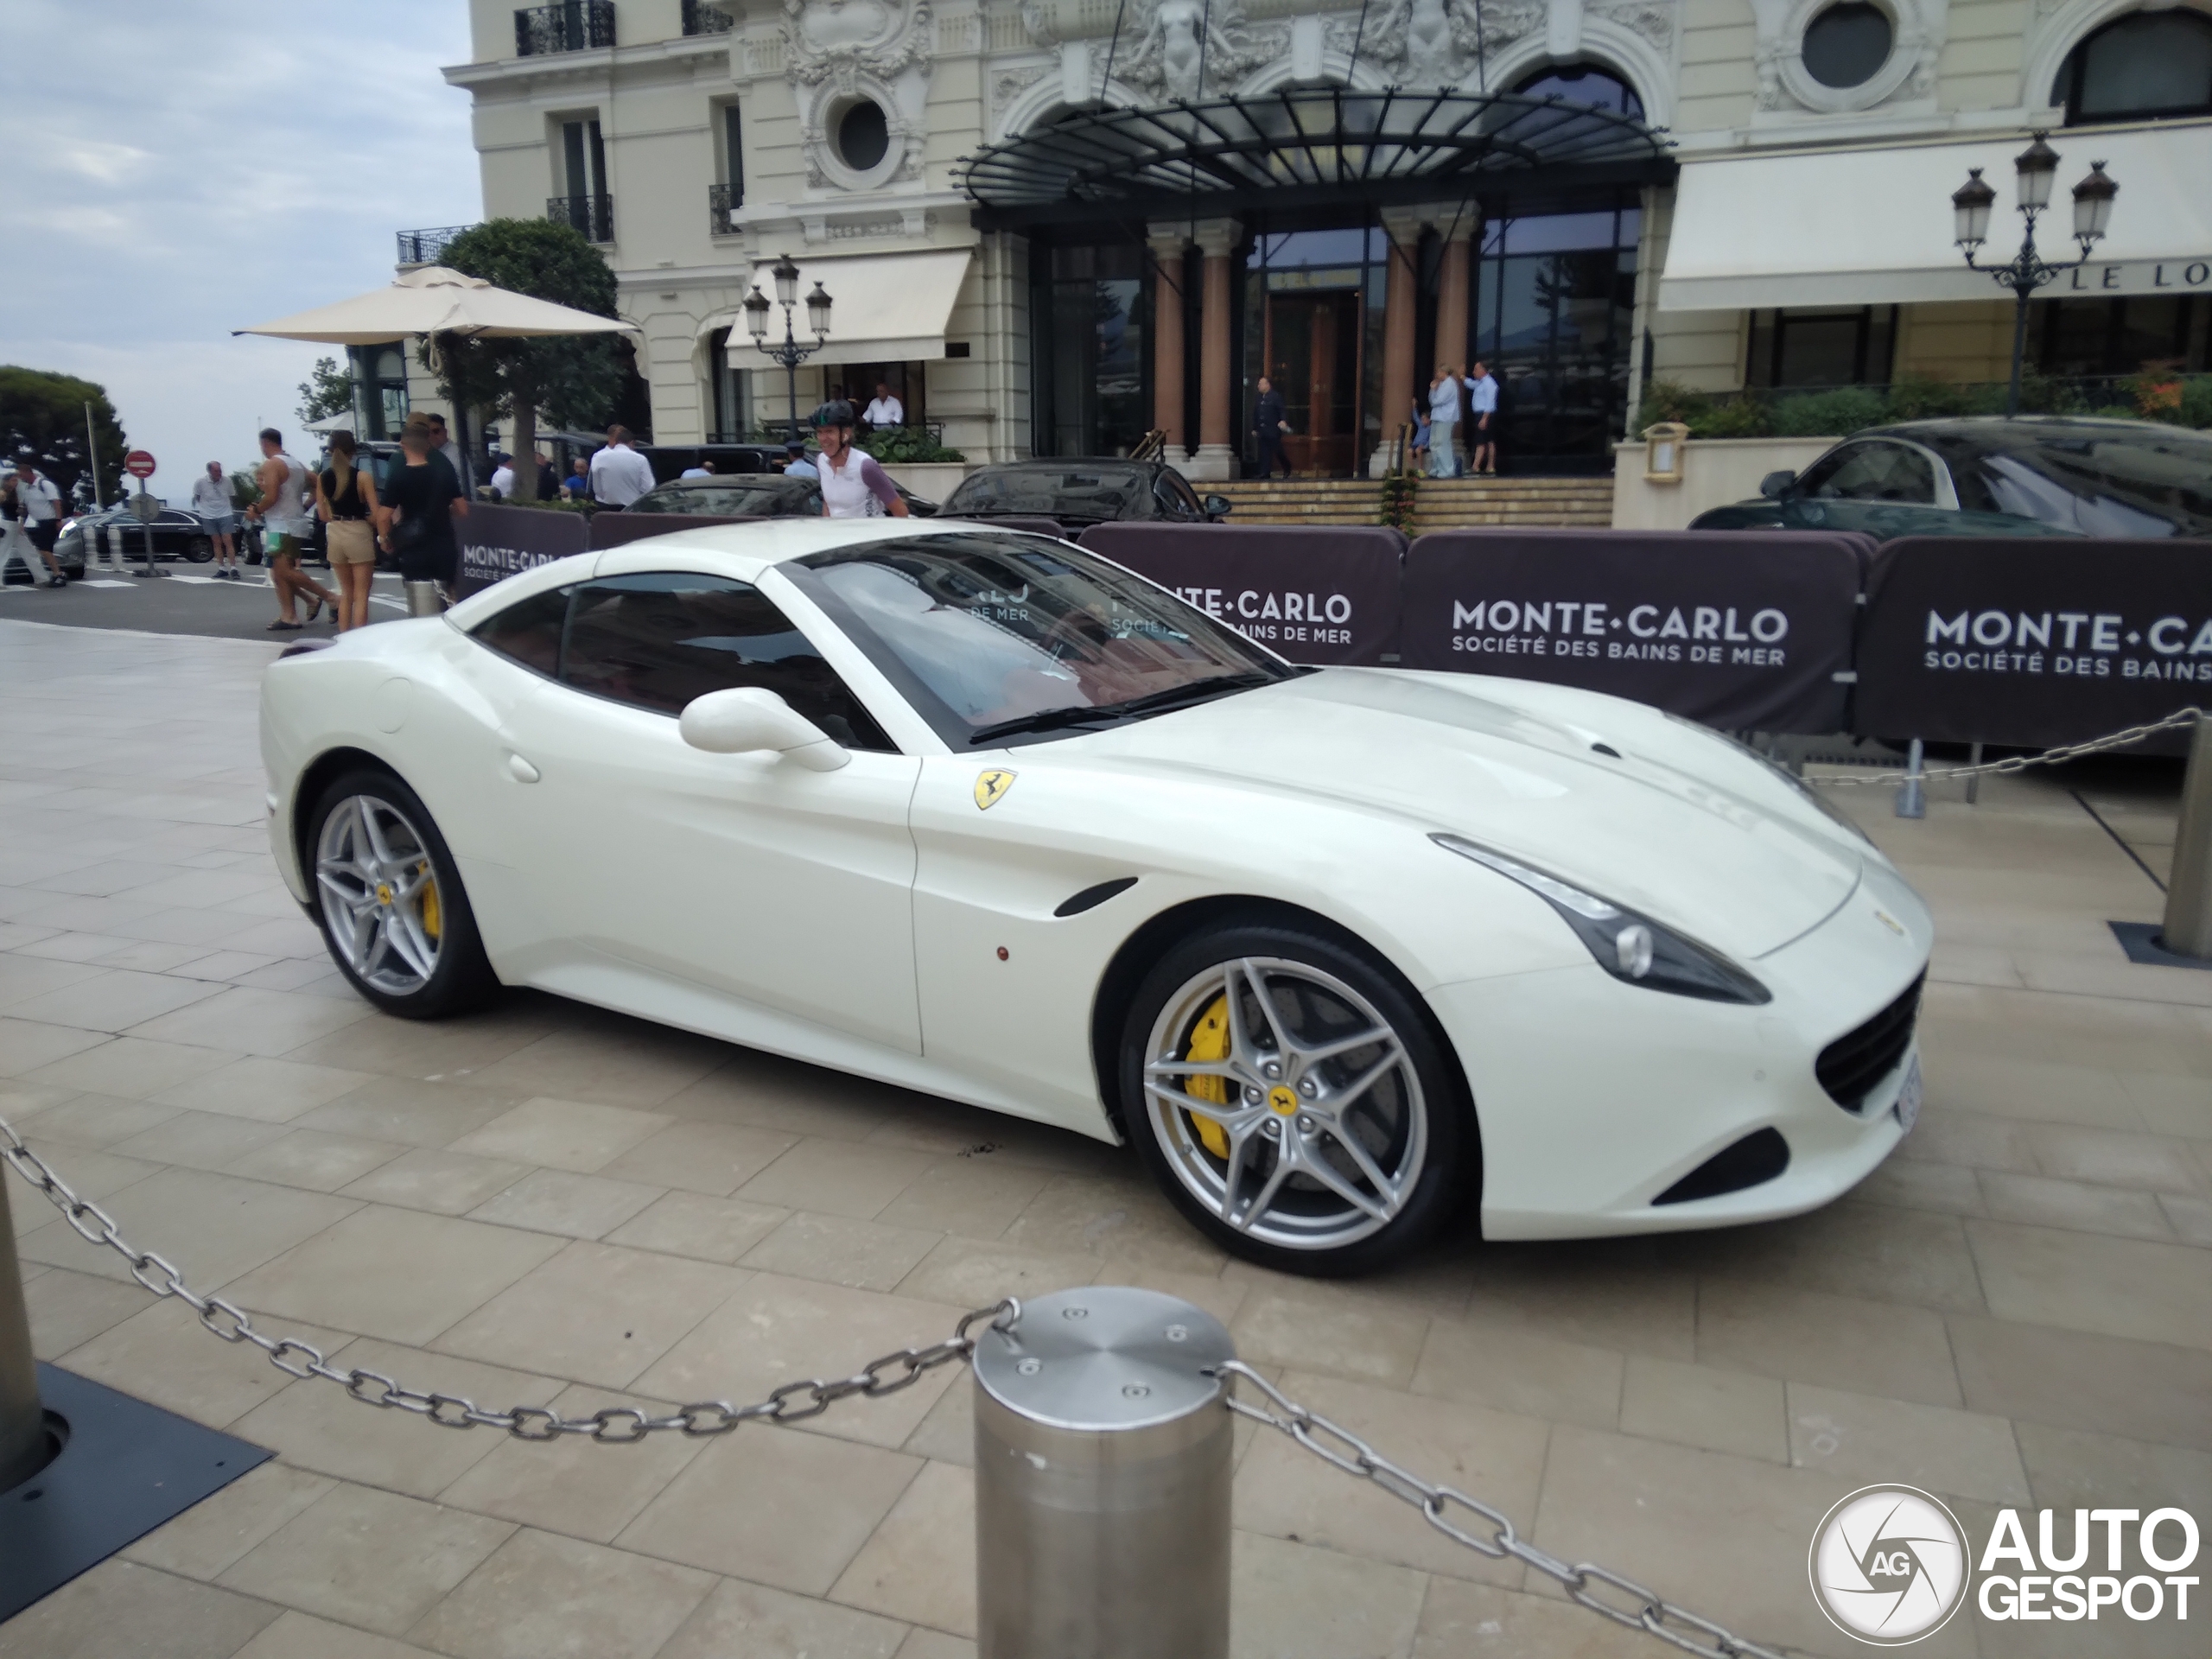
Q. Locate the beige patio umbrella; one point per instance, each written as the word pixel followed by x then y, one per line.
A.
pixel 435 301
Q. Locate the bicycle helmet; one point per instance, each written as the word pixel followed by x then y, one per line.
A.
pixel 836 412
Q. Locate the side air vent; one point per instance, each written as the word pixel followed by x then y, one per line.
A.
pixel 1759 1156
pixel 1850 1066
pixel 1091 898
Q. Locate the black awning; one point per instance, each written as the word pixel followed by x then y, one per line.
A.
pixel 1306 145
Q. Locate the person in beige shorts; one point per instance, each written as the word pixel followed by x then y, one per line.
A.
pixel 345 499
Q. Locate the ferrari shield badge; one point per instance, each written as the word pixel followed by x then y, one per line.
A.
pixel 991 787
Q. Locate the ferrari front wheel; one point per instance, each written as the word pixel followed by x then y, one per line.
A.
pixel 1292 1099
pixel 390 899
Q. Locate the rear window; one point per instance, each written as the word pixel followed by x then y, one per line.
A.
pixel 721 500
pixel 2154 482
pixel 1073 491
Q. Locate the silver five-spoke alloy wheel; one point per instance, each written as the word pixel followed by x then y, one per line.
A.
pixel 1286 1104
pixel 379 893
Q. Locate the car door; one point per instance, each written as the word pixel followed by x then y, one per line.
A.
pixel 1175 500
pixel 747 876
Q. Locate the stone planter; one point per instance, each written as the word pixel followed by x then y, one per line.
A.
pixel 1715 472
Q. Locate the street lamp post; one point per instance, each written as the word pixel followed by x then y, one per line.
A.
pixel 791 354
pixel 2036 166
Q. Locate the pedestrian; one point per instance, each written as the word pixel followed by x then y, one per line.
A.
pixel 38 521
pixel 619 473
pixel 1419 463
pixel 699 468
pixel 577 485
pixel 796 465
pixel 218 515
pixel 415 513
pixel 1482 438
pixel 884 410
pixel 503 477
pixel 1270 421
pixel 1443 418
pixel 346 501
pixel 853 485
pixel 447 450
pixel 548 481
pixel 282 507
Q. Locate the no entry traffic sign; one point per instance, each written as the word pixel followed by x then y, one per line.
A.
pixel 139 463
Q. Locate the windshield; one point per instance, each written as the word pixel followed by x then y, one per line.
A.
pixel 1099 493
pixel 722 500
pixel 992 635
pixel 2101 480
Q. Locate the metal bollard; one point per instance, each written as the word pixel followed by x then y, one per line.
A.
pixel 2187 931
pixel 23 1443
pixel 1912 800
pixel 112 535
pixel 1974 783
pixel 423 599
pixel 1102 1465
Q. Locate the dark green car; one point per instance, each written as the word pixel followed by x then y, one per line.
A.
pixel 2030 475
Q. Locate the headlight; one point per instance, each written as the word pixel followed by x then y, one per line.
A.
pixel 1626 945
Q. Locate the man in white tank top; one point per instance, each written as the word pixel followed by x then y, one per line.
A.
pixel 282 511
pixel 853 485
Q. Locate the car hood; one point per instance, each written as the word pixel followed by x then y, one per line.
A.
pixel 1682 826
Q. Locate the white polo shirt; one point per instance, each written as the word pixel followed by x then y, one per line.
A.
pixel 619 475
pixel 41 500
pixel 885 412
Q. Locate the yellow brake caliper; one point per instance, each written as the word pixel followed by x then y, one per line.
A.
pixel 430 902
pixel 1210 1041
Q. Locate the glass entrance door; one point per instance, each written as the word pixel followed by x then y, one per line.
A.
pixel 1313 347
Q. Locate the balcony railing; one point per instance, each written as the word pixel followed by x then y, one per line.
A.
pixel 566 26
pixel 428 247
pixel 594 216
pixel 700 18
pixel 722 200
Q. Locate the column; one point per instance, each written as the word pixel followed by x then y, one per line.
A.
pixel 1400 294
pixel 1217 240
pixel 1168 243
pixel 1452 279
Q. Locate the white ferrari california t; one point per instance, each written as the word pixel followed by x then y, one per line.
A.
pixel 978 813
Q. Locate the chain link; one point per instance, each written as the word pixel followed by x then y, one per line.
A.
pixel 2021 762
pixel 610 1426
pixel 1600 1589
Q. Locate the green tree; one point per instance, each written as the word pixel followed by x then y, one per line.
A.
pixel 573 380
pixel 328 392
pixel 46 411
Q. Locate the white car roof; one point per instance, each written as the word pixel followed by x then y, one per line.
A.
pixel 741 552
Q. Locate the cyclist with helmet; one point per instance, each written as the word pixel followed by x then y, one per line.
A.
pixel 853 485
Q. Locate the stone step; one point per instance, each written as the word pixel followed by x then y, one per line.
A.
pixel 1438 504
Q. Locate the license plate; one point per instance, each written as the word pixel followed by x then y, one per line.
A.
pixel 1908 1106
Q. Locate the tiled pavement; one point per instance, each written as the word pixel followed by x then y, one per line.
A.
pixel 546 1204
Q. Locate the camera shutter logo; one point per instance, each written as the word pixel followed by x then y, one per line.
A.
pixel 1889 1565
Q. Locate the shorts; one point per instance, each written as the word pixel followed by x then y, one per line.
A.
pixel 219 524
pixel 281 543
pixel 44 533
pixel 350 540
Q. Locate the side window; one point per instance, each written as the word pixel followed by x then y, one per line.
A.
pixel 1874 472
pixel 659 640
pixel 1172 504
pixel 529 630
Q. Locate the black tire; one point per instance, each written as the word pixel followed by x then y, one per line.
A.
pixel 460 977
pixel 200 550
pixel 1439 1162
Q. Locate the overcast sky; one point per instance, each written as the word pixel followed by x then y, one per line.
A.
pixel 178 168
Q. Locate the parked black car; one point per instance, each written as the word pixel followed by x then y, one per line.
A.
pixel 753 495
pixel 1079 493
pixel 1987 475
pixel 178 535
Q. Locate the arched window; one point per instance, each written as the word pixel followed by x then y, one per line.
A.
pixel 2138 67
pixel 1583 83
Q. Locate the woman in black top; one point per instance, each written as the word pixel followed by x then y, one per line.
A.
pixel 345 499
pixel 415 515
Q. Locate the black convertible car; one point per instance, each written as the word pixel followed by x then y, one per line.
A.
pixel 1083 493
pixel 753 495
pixel 2028 475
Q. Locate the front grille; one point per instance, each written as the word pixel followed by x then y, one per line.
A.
pixel 1850 1066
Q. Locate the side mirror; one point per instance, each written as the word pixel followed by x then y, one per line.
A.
pixel 1218 506
pixel 749 718
pixel 1777 486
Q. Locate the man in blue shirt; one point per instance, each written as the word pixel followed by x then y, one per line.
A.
pixel 1443 420
pixel 796 465
pixel 1482 443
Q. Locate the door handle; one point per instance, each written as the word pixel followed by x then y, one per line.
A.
pixel 522 771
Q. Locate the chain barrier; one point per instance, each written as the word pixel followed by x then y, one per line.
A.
pixel 1629 1603
pixel 609 1426
pixel 2021 762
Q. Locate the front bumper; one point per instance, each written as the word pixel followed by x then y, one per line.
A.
pixel 1594 1097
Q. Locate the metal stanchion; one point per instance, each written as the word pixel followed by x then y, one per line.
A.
pixel 24 1447
pixel 2187 931
pixel 1102 1465
pixel 1974 783
pixel 425 599
pixel 1912 800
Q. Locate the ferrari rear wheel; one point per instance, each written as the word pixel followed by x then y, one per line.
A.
pixel 391 902
pixel 1291 1099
